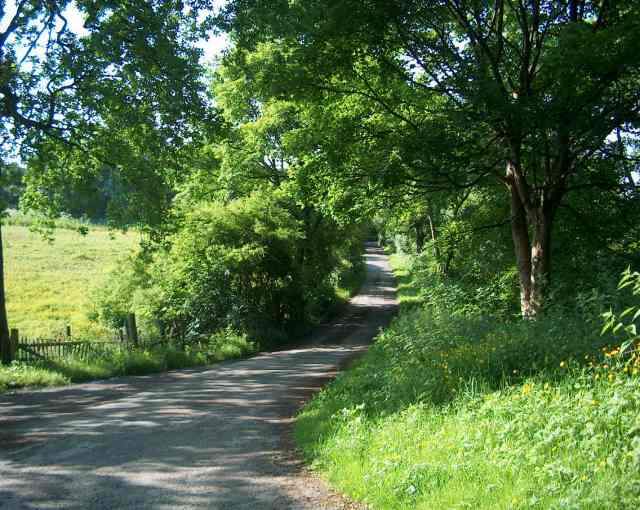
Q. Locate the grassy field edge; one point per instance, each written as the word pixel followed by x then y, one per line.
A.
pixel 123 362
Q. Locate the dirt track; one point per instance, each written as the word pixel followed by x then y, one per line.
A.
pixel 204 438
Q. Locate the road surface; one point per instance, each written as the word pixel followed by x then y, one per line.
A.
pixel 215 437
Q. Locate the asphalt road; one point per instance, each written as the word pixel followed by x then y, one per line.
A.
pixel 217 437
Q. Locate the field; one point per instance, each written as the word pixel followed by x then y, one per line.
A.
pixel 49 283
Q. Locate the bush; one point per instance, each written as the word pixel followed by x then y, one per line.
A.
pixel 129 289
pixel 257 264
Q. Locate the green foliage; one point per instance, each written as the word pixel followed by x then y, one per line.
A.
pixel 427 102
pixel 474 291
pixel 625 322
pixel 102 115
pixel 454 407
pixel 11 185
pixel 257 264
pixel 127 289
pixel 232 264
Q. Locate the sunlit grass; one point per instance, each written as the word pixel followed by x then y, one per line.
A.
pixel 115 362
pixel 49 283
pixel 449 411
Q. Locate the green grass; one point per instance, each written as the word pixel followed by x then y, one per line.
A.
pixel 451 410
pixel 352 276
pixel 49 283
pixel 116 362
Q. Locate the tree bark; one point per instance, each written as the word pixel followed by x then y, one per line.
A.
pixel 434 236
pixel 541 256
pixel 531 225
pixel 420 236
pixel 522 249
pixel 5 345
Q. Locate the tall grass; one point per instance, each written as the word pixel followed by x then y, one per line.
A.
pixel 65 222
pixel 451 409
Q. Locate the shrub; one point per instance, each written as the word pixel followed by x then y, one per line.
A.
pixel 257 264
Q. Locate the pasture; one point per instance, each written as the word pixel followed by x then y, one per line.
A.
pixel 49 282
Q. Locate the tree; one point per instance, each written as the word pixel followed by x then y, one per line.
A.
pixel 11 185
pixel 119 92
pixel 526 92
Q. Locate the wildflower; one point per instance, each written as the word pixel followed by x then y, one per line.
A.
pixel 563 364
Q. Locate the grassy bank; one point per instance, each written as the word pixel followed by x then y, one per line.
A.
pixel 116 362
pixel 455 410
pixel 49 283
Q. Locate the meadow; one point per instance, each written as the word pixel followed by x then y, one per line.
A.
pixel 460 410
pixel 49 281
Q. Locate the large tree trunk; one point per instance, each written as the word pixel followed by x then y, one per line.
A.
pixel 531 226
pixel 522 248
pixel 5 346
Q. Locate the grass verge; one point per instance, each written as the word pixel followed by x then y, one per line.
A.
pixel 117 362
pixel 464 411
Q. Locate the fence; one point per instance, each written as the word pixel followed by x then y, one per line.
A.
pixel 37 349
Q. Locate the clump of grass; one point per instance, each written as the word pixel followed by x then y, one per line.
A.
pixel 456 410
pixel 19 375
pixel 352 274
pixel 228 344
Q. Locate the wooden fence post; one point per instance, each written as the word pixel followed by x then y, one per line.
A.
pixel 132 330
pixel 68 330
pixel 14 338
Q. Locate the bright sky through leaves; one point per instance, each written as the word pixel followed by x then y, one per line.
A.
pixel 211 47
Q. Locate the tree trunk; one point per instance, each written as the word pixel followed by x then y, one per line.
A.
pixel 420 236
pixel 531 232
pixel 432 227
pixel 5 345
pixel 541 257
pixel 522 248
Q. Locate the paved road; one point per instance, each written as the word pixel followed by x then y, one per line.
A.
pixel 204 438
